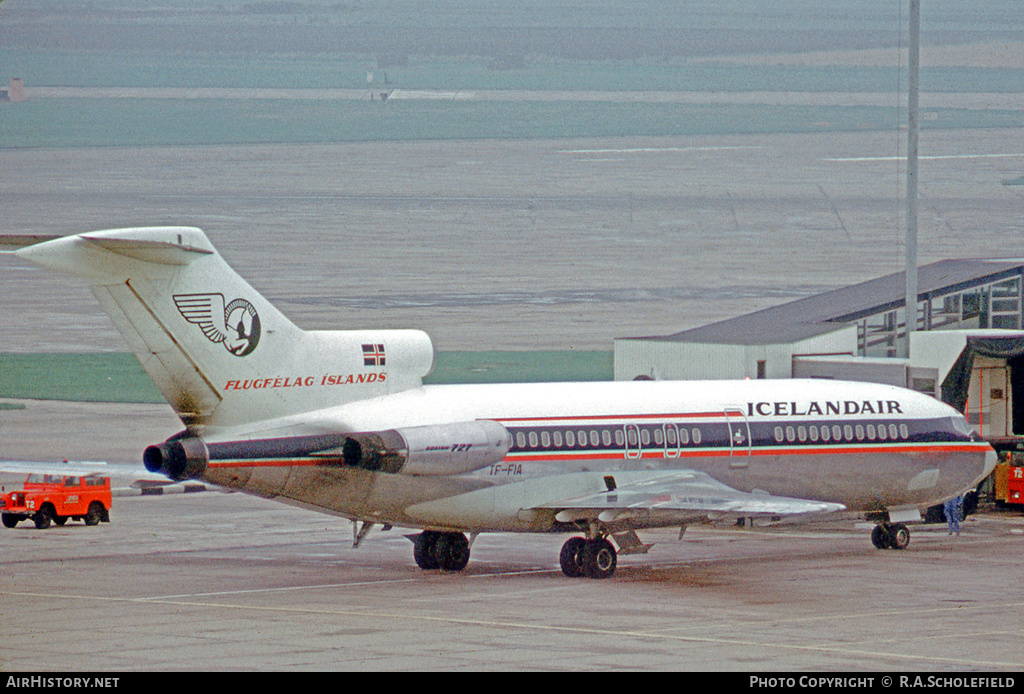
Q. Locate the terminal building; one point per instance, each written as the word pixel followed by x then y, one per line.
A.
pixel 968 348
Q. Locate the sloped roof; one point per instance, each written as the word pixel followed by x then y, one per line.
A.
pixel 833 310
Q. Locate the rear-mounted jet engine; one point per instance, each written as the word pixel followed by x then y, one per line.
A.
pixel 441 449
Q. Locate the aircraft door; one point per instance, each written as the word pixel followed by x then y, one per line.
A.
pixel 670 435
pixel 633 445
pixel 739 436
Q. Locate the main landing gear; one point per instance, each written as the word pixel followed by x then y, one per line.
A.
pixel 595 558
pixel 890 536
pixel 447 551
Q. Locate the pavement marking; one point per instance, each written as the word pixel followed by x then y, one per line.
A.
pixel 928 157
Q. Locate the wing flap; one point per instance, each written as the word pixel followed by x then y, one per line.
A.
pixel 685 491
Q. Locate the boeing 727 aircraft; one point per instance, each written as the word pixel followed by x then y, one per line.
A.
pixel 340 422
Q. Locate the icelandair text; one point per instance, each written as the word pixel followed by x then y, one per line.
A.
pixel 823 409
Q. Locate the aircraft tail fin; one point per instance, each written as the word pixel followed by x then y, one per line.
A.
pixel 221 354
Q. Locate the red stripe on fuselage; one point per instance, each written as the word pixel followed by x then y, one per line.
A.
pixel 561 456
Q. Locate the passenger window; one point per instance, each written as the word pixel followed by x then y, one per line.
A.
pixel 659 437
pixel 684 437
pixel 904 432
pixel 545 439
pixel 570 438
pixel 533 439
pixel 520 439
pixel 848 432
pixel 826 434
pixel 620 438
pixel 606 438
pixel 801 434
pixel 837 433
pixel 779 437
pixel 860 432
pixel 595 438
pixel 645 437
pixel 790 434
pixel 557 436
pixel 870 430
pixel 813 433
pixel 882 432
pixel 696 436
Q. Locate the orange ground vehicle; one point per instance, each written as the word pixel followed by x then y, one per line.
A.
pixel 56 498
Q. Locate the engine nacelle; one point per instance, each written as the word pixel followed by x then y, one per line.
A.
pixel 438 449
pixel 179 459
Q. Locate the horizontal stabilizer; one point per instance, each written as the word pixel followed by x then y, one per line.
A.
pixel 9 243
pixel 151 251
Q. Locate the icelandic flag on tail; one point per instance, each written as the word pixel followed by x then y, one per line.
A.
pixel 373 355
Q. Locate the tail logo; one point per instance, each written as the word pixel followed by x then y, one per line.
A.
pixel 236 325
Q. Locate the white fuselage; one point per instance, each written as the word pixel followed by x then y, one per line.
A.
pixel 869 447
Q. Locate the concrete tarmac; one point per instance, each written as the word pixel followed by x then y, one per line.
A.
pixel 224 582
pixel 215 581
pixel 526 245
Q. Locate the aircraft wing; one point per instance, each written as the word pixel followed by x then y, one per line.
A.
pixel 682 494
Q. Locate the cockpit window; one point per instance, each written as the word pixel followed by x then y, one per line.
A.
pixel 960 424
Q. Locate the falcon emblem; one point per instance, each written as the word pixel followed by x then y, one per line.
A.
pixel 235 325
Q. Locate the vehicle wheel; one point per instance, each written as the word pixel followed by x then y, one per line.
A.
pixel 571 557
pixel 599 558
pixel 60 520
pixel 423 549
pixel 899 536
pixel 42 518
pixel 94 514
pixel 451 551
pixel 10 520
pixel 880 537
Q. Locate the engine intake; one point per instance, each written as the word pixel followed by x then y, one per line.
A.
pixel 439 449
pixel 179 459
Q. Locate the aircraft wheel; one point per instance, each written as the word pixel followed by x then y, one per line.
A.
pixel 451 551
pixel 899 536
pixel 571 557
pixel 880 537
pixel 423 549
pixel 599 558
